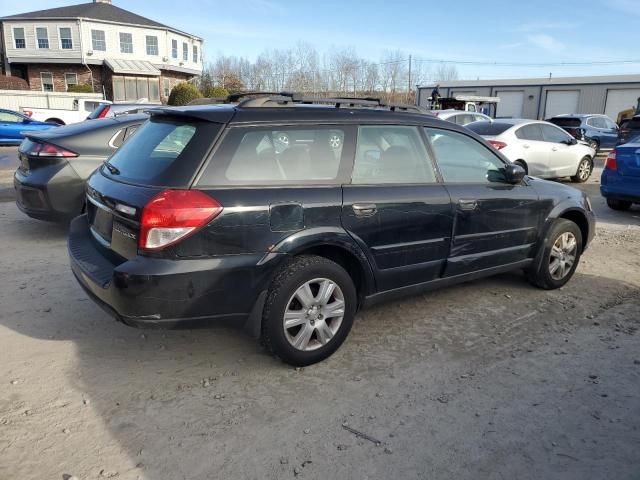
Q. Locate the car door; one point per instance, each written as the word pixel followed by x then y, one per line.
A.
pixel 395 208
pixel 609 133
pixel 563 157
pixel 496 223
pixel 11 125
pixel 535 151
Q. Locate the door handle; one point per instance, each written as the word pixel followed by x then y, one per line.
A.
pixel 525 146
pixel 364 209
pixel 555 149
pixel 468 204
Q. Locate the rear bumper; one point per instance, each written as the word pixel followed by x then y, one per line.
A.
pixel 54 193
pixel 161 293
pixel 618 187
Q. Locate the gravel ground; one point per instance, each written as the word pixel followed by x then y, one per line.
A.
pixel 490 379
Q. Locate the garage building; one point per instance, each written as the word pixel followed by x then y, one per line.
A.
pixel 540 98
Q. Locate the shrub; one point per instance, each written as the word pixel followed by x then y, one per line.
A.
pixel 80 88
pixel 183 93
pixel 215 92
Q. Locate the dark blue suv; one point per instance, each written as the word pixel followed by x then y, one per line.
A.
pixel 599 131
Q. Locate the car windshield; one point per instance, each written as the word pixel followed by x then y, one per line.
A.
pixel 566 122
pixel 165 152
pixel 489 128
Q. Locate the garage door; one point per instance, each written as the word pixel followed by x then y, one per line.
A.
pixel 565 101
pixel 510 105
pixel 618 100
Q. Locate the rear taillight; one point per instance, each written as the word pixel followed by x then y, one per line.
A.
pixel 104 111
pixel 28 113
pixel 611 163
pixel 497 145
pixel 41 149
pixel 173 215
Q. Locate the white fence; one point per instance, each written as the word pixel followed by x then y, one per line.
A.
pixel 18 99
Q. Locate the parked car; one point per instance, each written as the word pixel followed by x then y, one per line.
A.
pixel 598 131
pixel 541 148
pixel 199 218
pixel 461 117
pixel 14 125
pixel 108 110
pixel 629 129
pixel 55 164
pixel 620 181
pixel 82 107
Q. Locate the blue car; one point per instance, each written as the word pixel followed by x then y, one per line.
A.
pixel 599 131
pixel 620 182
pixel 14 124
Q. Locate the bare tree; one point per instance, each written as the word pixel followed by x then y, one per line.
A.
pixel 445 72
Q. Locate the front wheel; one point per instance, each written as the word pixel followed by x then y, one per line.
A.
pixel 309 310
pixel 558 258
pixel 584 171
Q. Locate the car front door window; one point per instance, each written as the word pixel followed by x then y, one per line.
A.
pixel 462 159
pixel 7 117
pixel 554 134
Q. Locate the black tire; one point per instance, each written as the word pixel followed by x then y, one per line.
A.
pixel 620 205
pixel 595 145
pixel 57 121
pixel 539 273
pixel 296 273
pixel 581 175
pixel 523 164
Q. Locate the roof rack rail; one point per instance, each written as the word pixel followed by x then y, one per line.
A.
pixel 267 99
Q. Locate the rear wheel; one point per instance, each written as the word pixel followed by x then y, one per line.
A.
pixel 618 204
pixel 309 310
pixel 559 256
pixel 57 121
pixel 584 171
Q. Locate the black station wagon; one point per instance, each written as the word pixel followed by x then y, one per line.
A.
pixel 208 214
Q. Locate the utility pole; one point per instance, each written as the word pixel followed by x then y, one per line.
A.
pixel 409 84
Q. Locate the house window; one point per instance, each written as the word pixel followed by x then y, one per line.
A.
pixel 166 83
pixel 47 81
pixel 135 88
pixel 70 79
pixel 152 45
pixel 98 40
pixel 126 43
pixel 66 41
pixel 174 48
pixel 18 38
pixel 42 34
pixel 185 52
pixel 195 54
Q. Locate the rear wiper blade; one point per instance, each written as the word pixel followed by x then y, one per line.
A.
pixel 112 169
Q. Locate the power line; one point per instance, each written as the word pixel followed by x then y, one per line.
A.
pixel 517 64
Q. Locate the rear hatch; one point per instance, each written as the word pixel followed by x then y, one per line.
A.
pixel 629 131
pixel 571 125
pixel 165 154
pixel 628 159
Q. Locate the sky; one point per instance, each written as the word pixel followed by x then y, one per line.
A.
pixel 488 31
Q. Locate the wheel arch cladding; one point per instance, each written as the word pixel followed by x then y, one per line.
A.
pixel 577 217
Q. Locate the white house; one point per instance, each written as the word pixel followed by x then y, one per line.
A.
pixel 117 52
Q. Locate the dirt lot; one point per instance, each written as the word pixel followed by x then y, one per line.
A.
pixel 491 379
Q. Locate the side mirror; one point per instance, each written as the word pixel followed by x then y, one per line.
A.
pixel 513 173
pixel 571 141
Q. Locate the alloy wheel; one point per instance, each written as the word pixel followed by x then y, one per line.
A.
pixel 563 255
pixel 584 170
pixel 314 314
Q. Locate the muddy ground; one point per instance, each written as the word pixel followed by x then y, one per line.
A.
pixel 492 379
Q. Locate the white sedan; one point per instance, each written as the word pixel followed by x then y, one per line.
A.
pixel 461 117
pixel 541 148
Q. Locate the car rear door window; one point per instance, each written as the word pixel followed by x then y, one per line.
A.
pixel 554 134
pixel 462 159
pixel 530 132
pixel 278 156
pixel 391 154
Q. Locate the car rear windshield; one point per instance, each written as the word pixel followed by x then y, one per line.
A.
pixel 566 122
pixel 489 128
pixel 166 151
